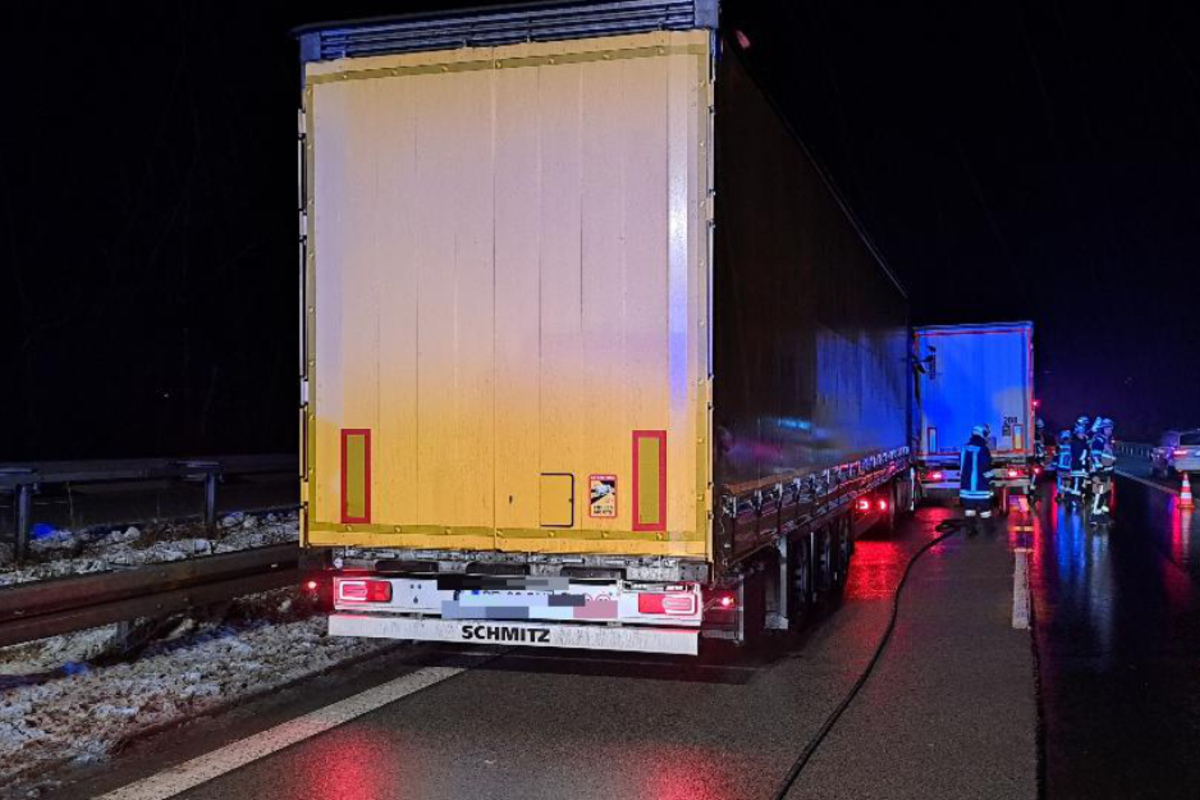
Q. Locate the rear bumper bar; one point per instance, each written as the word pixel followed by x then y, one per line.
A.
pixel 638 639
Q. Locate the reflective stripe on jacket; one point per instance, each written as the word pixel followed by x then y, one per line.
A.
pixel 975 468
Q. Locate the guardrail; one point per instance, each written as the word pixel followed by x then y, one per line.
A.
pixel 39 609
pixel 23 480
pixel 1133 449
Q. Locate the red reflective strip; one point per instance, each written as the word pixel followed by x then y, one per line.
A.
pixel 661 525
pixel 365 433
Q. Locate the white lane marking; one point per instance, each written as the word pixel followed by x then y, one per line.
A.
pixel 1020 607
pixel 202 769
pixel 1146 482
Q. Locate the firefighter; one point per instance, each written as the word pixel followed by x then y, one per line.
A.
pixel 1103 460
pixel 1080 462
pixel 1039 442
pixel 975 472
pixel 1062 465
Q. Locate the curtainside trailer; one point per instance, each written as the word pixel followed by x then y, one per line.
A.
pixel 593 355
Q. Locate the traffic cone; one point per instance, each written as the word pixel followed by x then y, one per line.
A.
pixel 1185 497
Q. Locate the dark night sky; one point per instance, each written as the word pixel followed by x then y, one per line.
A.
pixel 1016 160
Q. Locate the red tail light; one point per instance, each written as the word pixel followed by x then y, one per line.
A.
pixel 1013 473
pixel 864 505
pixel 363 591
pixel 311 585
pixel 936 476
pixel 1181 453
pixel 726 601
pixel 882 505
pixel 674 604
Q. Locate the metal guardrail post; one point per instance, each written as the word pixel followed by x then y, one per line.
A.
pixel 210 502
pixel 24 492
pixel 23 482
pixel 211 472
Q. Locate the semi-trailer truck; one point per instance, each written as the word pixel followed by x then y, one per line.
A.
pixel 973 375
pixel 593 355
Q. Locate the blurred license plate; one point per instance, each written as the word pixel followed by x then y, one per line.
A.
pixel 508 598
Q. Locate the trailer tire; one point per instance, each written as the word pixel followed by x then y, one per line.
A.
pixel 843 549
pixel 888 523
pixel 802 576
pixel 823 557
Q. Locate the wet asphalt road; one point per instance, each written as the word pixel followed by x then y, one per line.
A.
pixel 1118 635
pixel 951 712
pixel 1139 468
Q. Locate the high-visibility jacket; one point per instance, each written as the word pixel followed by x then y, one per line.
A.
pixel 1102 457
pixel 975 470
pixel 1063 461
pixel 1080 455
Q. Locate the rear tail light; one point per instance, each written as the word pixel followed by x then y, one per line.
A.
pixel 864 504
pixel 672 604
pixel 364 591
pixel 311 586
pixel 726 601
pixel 1013 473
pixel 1182 453
pixel 937 476
pixel 882 504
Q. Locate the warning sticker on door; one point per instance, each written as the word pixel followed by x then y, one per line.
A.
pixel 603 494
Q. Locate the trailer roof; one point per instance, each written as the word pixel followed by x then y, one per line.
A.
pixel 500 25
pixel 980 327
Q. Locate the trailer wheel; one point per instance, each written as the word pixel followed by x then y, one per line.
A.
pixel 824 556
pixel 843 549
pixel 753 605
pixel 802 576
pixel 888 523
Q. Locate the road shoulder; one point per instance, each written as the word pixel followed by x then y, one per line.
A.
pixel 951 711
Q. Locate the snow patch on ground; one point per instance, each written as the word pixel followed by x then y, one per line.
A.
pixel 57 652
pixel 65 553
pixel 82 717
